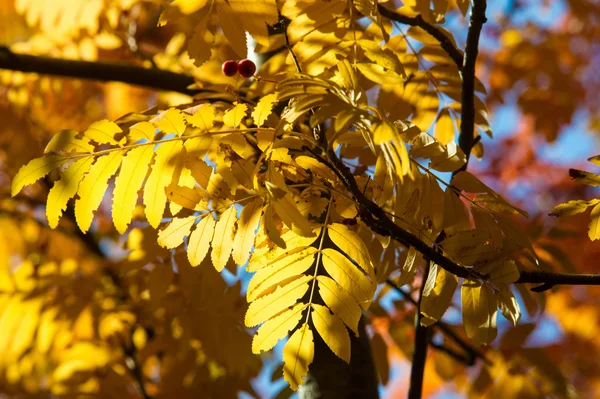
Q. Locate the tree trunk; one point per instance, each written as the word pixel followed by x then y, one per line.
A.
pixel 329 377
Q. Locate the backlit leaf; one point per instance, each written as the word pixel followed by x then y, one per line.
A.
pixel 223 238
pixel 203 118
pixel 332 330
pixel 263 109
pixel 246 231
pixel 35 170
pixel 277 328
pixel 298 354
pixel 349 276
pixel 341 303
pixel 103 132
pixel 200 240
pixel 233 116
pixel 172 236
pixel 479 312
pixel 171 121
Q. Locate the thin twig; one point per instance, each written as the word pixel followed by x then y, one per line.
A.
pixel 422 338
pixel 445 41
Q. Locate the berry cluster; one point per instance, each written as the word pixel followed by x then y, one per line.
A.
pixel 246 68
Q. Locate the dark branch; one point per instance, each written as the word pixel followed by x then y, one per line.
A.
pixel 422 338
pixel 101 71
pixel 549 280
pixel 445 41
pixel 467 71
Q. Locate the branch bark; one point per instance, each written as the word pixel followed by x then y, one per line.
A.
pixel 101 71
pixel 445 41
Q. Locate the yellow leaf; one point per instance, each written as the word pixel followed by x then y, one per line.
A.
pixel 263 109
pixel 276 328
pixel 143 130
pixel 504 272
pixel 200 240
pixel 103 132
pixel 246 231
pixel 223 238
pixel 437 294
pixel 24 334
pixel 382 57
pixel 352 245
pixel 349 276
pixel 232 29
pixel 64 189
pixel 66 141
pixel 200 171
pixel 376 73
pixel 479 312
pixel 594 228
pixel 410 266
pixel 233 116
pixel 341 303
pixel 160 177
pixel 298 354
pixel 332 330
pixel 178 8
pixel 93 186
pixel 444 127
pixel 573 207
pixel 456 214
pixel 509 306
pixel 201 42
pixel 48 327
pixel 171 121
pixel 128 183
pixel 289 214
pixel 173 234
pixel 203 118
pixel 255 16
pixel 34 170
pixel 282 298
pixel 183 196
pixel 267 279
pixel 315 167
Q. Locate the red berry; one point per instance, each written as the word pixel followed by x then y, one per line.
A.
pixel 247 68
pixel 229 68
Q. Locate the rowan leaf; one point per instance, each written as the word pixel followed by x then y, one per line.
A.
pixel 479 312
pixel 127 184
pixel 184 196
pixel 298 354
pixel 223 238
pixel 171 121
pixel 277 328
pixel 65 189
pixel 263 109
pixel 341 303
pixel 349 276
pixel 573 207
pixel 288 212
pixel 437 294
pixel 246 231
pixel 594 227
pixel 352 245
pixel 35 170
pixel 103 132
pixel 93 186
pixel 282 298
pixel 66 141
pixel 200 239
pixel 142 131
pixel 581 176
pixel 233 116
pixel 232 29
pixel 160 177
pixel 444 127
pixel 332 330
pixel 172 236
pixel 203 118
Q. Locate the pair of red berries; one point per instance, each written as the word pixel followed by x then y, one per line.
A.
pixel 246 68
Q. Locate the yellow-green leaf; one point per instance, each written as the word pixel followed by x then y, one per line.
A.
pixel 437 295
pixel 332 330
pixel 172 236
pixel 246 231
pixel 341 303
pixel 479 312
pixel 349 276
pixel 233 116
pixel 64 189
pixel 93 186
pixel 103 132
pixel 128 183
pixel 171 121
pixel 203 118
pixel 573 207
pixel 223 238
pixel 298 354
pixel 509 306
pixel 160 177
pixel 34 170
pixel 594 228
pixel 282 298
pixel 263 109
pixel 276 328
pixel 200 240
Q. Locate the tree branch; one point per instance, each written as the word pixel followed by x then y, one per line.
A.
pixel 102 71
pixel 445 41
pixel 422 338
pixel 466 139
pixel 549 280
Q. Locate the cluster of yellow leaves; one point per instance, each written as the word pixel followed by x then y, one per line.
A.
pixel 578 206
